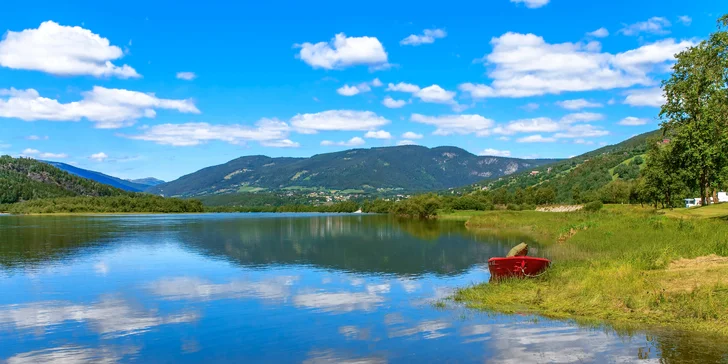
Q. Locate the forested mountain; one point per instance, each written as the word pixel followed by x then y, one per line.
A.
pixel 577 179
pixel 147 182
pixel 101 178
pixel 406 168
pixel 27 179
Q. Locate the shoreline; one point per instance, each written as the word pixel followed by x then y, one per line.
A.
pixel 624 264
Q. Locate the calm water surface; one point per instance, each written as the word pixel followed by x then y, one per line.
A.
pixel 277 288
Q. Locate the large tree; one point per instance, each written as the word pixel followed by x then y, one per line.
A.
pixel 695 114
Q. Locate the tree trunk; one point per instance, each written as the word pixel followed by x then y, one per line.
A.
pixel 715 195
pixel 703 189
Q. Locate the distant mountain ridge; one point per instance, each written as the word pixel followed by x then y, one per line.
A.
pixel 407 168
pixel 149 181
pixel 123 184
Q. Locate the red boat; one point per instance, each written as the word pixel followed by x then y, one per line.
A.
pixel 518 267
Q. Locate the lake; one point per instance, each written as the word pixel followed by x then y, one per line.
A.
pixel 293 288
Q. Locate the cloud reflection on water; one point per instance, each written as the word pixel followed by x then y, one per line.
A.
pixel 111 317
pixel 73 354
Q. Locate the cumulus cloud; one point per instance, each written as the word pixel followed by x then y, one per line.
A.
pixel 392 103
pixel 35 153
pixel 412 135
pixel 523 65
pixel 654 25
pixel 406 142
pixel 62 50
pixel 456 124
pixel 536 139
pixel 343 51
pixel 495 152
pixel 37 137
pixel 353 142
pixel 107 108
pixel 685 20
pixel 632 121
pixel 531 106
pixel 403 87
pixel 379 134
pixel 645 97
pixel 428 36
pixel 435 94
pixel 532 4
pixel 581 117
pixel 99 157
pixel 187 76
pixel 347 90
pixel 581 131
pixel 577 104
pixel 599 33
pixel 268 132
pixel 343 120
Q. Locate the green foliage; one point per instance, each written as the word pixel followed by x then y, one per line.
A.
pixel 693 115
pixel 27 179
pixel 404 168
pixel 593 206
pixel 627 171
pixel 422 206
pixel 105 204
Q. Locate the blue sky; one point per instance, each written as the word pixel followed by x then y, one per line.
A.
pixel 162 88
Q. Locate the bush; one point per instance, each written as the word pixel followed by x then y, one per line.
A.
pixel 528 207
pixel 593 206
pixel 513 207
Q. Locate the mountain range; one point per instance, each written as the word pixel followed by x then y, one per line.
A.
pixel 401 168
pixel 138 185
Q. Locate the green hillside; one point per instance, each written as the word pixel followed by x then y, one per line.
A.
pixel 401 168
pixel 28 179
pixel 575 179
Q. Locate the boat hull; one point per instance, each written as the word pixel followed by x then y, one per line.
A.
pixel 517 267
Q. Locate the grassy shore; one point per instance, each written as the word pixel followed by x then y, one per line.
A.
pixel 624 264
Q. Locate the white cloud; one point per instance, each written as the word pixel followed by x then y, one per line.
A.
pixel 428 36
pixel 187 76
pixel 392 103
pixel 379 134
pixel 283 143
pixel 62 50
pixel 456 124
pixel 654 25
pixel 599 33
pixel 403 87
pixel 645 97
pixel 581 117
pixel 532 4
pixel 495 152
pixel 522 65
pixel 583 141
pixel 347 90
pixel 377 83
pixel 107 108
pixel 632 121
pixel 581 131
pixel 412 135
pixel 269 132
pixel 35 153
pixel 344 120
pixel 37 137
pixel 99 157
pixel 353 142
pixel 406 142
pixel 344 52
pixel 685 20
pixel 536 139
pixel 435 94
pixel 542 124
pixel 577 104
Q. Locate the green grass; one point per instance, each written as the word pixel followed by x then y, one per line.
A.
pixel 710 211
pixel 251 189
pixel 615 265
pixel 463 215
